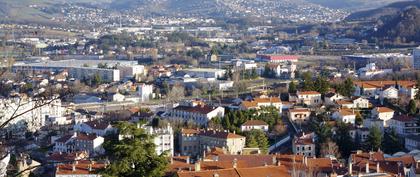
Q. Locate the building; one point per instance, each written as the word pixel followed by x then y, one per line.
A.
pixel 370 70
pixel 412 142
pixel 197 112
pixel 205 72
pixel 383 113
pixel 258 103
pixel 299 115
pixel 194 142
pixel 145 92
pixel 163 139
pixel 32 120
pixel 98 127
pixel 360 102
pixel 374 88
pixel 90 143
pixel 345 115
pixel 310 98
pixel 284 70
pixel 331 98
pixel 254 125
pixel 276 58
pixel 404 125
pixel 416 58
pixel 304 144
pixel 83 168
pixel 389 93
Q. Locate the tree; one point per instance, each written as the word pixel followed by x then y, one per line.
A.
pixel 177 92
pixel 292 87
pixel 134 155
pixel 308 84
pixel 330 148
pixel 391 143
pixel 412 107
pixel 417 96
pixel 346 88
pixel 97 79
pixel 321 85
pixel 343 139
pixel 257 138
pixel 374 139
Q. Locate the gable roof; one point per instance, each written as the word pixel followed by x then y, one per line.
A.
pixel 98 124
pixel 384 109
pixel 254 122
pixel 219 134
pixel 308 93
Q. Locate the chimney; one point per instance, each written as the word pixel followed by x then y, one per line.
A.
pixel 215 175
pixel 377 167
pixel 197 166
pixel 73 167
pixel 305 160
pixel 188 160
pixel 90 167
pixel 350 168
pixel 367 167
pixel 172 160
pixel 235 163
pixel 58 168
pixel 278 163
pixel 274 160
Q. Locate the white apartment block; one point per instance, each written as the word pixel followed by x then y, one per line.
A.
pixel 200 114
pixel 163 139
pixel 310 98
pixel 145 92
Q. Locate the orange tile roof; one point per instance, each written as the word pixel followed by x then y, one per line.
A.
pixel 82 168
pixel 342 102
pixel 254 122
pixel 272 171
pixel 254 103
pixel 384 109
pixel 309 93
pixel 189 131
pixel 299 110
pixel 347 112
pixel 382 84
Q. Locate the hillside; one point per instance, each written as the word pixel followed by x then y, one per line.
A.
pixel 389 10
pixel 403 27
pixel 354 5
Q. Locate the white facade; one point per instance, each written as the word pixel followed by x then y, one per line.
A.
pixel 371 70
pixel 310 98
pixel 32 120
pixel 198 114
pixel 345 115
pixel 330 99
pixel 405 125
pixel 131 71
pixel 299 115
pixel 389 93
pixel 416 58
pixel 254 125
pixel 205 72
pixel 383 113
pixel 145 92
pixel 361 103
pixel 163 139
pixel 106 75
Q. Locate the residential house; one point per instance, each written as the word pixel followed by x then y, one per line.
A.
pixel 80 169
pixel 383 113
pixel 258 103
pixel 310 98
pixel 163 139
pixel 254 125
pixel 374 88
pixel 389 92
pixel 360 102
pixel 90 143
pixel 304 144
pixel 299 114
pixel 98 127
pixel 345 115
pixel 331 98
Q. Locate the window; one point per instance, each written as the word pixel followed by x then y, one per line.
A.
pixel 309 148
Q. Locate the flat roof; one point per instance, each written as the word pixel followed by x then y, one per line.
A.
pixel 73 63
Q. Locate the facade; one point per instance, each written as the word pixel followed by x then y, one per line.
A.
pixel 145 92
pixel 106 75
pixel 345 115
pixel 370 70
pixel 163 139
pixel 199 114
pixel 331 98
pixel 205 72
pixel 89 143
pixel 416 58
pixel 98 127
pixel 360 102
pixel 304 145
pixel 412 142
pixel 405 125
pixel 310 98
pixel 194 142
pixel 254 125
pixel 299 115
pixel 257 103
pixel 374 88
pixel 32 120
pixel 277 58
pixel 389 93
pixel 383 113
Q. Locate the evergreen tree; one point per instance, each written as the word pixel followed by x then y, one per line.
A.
pixel 391 143
pixel 321 85
pixel 374 139
pixel 344 140
pixel 257 138
pixel 308 84
pixel 346 88
pixel 251 141
pixel 134 156
pixel 292 87
pixel 412 107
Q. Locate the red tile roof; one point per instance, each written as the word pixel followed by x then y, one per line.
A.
pixel 254 122
pixel 82 168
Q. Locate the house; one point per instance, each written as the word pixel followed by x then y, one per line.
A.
pixel 90 143
pixel 98 127
pixel 299 114
pixel 304 144
pixel 331 98
pixel 193 142
pixel 80 169
pixel 254 125
pixel 344 104
pixel 198 113
pixel 374 88
pixel 389 92
pixel 258 103
pixel 145 92
pixel 370 123
pixel 405 125
pixel 383 113
pixel 57 158
pixel 360 102
pixel 345 115
pixel 310 98
pixel 118 97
